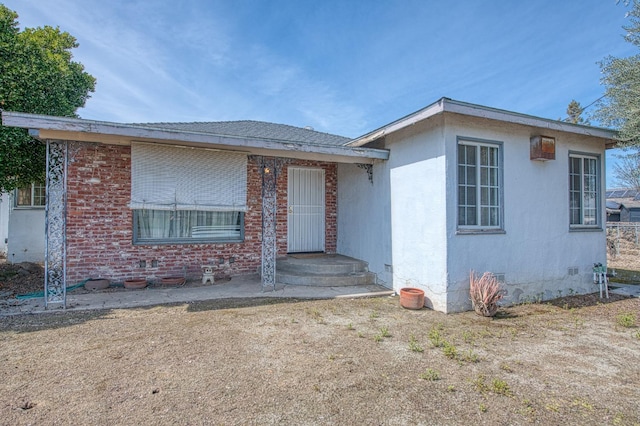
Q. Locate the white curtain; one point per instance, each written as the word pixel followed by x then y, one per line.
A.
pixel 166 224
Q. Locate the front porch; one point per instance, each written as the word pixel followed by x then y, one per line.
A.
pixel 238 287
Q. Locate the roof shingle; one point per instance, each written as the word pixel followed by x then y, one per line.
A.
pixel 254 129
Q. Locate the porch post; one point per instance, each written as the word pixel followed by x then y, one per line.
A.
pixel 55 224
pixel 268 169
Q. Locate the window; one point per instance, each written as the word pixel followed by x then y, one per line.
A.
pixel 479 185
pixel 584 177
pixel 31 196
pixel 187 226
pixel 187 195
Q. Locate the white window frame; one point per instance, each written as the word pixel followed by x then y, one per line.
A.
pixel 486 190
pixel 34 189
pixel 583 185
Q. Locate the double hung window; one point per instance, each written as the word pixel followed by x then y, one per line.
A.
pixel 479 185
pixel 584 180
pixel 31 196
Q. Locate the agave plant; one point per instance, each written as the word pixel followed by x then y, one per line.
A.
pixel 485 293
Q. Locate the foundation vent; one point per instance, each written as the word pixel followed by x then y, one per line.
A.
pixel 500 277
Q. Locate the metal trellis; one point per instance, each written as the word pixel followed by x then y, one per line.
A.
pixel 55 224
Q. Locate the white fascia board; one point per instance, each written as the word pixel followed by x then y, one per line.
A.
pixel 473 110
pixel 444 105
pixel 424 113
pixel 63 128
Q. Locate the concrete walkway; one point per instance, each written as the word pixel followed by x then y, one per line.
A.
pixel 247 286
pixel 632 290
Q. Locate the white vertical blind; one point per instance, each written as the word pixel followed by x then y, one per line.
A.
pixel 184 178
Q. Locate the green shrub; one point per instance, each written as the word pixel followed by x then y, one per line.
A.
pixel 430 374
pixel 414 346
pixel 626 319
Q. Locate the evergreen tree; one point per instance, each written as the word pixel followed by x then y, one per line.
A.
pixel 620 107
pixel 574 113
pixel 37 75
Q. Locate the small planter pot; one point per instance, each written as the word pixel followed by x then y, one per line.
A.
pixel 135 283
pixel 411 298
pixel 172 281
pixel 96 284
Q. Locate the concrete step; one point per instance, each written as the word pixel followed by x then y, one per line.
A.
pixel 323 270
pixel 329 264
pixel 345 280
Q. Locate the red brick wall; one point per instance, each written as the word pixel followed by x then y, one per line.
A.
pixel 100 225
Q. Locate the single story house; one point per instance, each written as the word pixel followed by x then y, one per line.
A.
pixel 623 205
pixel 452 188
pixel 22 220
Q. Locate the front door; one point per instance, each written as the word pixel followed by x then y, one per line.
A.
pixel 305 218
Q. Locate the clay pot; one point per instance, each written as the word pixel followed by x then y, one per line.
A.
pixel 135 283
pixel 411 298
pixel 172 280
pixel 96 284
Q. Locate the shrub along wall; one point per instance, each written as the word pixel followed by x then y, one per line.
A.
pixel 100 223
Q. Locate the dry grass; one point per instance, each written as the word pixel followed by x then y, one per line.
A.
pixel 321 362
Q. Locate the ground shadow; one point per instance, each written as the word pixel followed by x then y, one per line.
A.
pixel 505 313
pixel 238 302
pixel 30 322
pixel 585 300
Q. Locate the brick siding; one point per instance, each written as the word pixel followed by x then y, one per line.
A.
pixel 100 223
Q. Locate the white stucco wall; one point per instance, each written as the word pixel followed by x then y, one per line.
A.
pixel 406 222
pixel 4 222
pixel 364 224
pixel 26 235
pixel 408 196
pixel 418 217
pixel 537 250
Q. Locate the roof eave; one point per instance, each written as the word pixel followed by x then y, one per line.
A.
pixel 444 105
pixel 62 128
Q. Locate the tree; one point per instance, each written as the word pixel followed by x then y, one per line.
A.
pixel 574 113
pixel 627 170
pixel 620 106
pixel 37 75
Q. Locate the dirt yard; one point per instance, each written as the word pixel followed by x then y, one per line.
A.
pixel 362 361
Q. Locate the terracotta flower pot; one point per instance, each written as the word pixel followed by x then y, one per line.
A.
pixel 135 283
pixel 172 280
pixel 96 284
pixel 411 298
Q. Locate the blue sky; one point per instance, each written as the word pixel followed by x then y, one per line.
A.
pixel 344 67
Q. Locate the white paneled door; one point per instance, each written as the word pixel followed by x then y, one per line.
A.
pixel 305 218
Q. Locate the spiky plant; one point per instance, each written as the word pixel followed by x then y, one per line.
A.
pixel 485 293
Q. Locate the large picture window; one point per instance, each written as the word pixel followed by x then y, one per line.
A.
pixel 479 185
pixel 584 178
pixel 187 195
